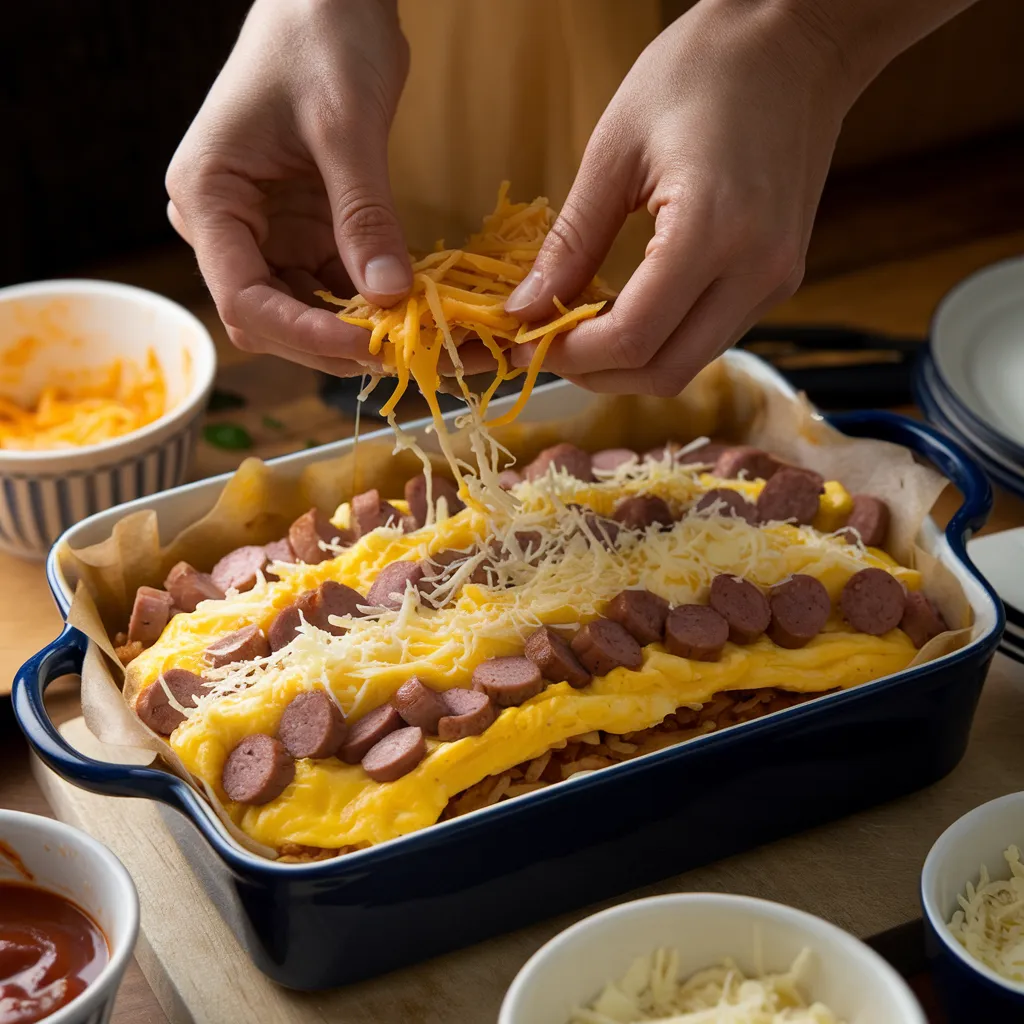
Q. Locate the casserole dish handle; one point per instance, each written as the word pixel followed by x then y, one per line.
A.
pixel 949 457
pixel 64 656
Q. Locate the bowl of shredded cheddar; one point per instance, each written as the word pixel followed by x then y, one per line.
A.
pixel 101 389
pixel 703 957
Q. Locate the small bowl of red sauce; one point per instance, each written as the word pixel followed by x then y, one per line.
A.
pixel 69 916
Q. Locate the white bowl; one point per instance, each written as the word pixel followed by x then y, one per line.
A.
pixel 89 324
pixel 68 862
pixel 704 928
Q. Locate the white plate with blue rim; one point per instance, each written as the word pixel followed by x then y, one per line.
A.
pixel 1000 559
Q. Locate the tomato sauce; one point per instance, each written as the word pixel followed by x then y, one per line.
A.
pixel 50 950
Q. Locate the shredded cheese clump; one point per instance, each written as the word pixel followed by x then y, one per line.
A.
pixel 650 992
pixel 990 921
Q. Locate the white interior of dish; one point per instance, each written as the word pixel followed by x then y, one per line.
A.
pixel 704 928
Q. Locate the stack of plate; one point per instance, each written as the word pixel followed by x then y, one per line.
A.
pixel 970 382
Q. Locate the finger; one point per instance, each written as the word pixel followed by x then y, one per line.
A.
pixel 675 272
pixel 335 278
pixel 325 364
pixel 177 222
pixel 473 355
pixel 598 203
pixel 370 240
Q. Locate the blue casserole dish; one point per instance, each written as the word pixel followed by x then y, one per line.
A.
pixel 313 926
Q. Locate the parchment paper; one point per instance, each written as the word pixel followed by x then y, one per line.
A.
pixel 259 503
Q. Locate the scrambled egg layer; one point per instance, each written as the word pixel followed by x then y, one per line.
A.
pixel 331 804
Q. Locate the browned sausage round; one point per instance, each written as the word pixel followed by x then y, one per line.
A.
pixel 575 461
pixel 554 657
pixel 695 631
pixel 508 681
pixel 870 518
pixel 467 713
pixel 873 601
pixel 370 512
pixel 721 501
pixel 668 450
pixel 370 729
pixel 277 551
pixel 750 463
pixel 605 530
pixel 416 496
pixel 333 598
pixel 151 612
pixel 285 626
pixel 800 608
pixel 439 568
pixel 188 587
pixel 524 542
pixel 388 589
pixel 243 644
pixel 153 707
pixel 419 705
pixel 312 725
pixel 609 459
pixel 602 645
pixel 921 619
pixel 395 755
pixel 705 455
pixel 742 605
pixel 790 495
pixel 508 478
pixel 306 533
pixel 641 511
pixel 258 770
pixel 642 613
pixel 238 569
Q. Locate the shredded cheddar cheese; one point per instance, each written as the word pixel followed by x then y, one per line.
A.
pixel 116 400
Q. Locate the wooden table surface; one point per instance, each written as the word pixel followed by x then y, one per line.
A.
pixel 896 297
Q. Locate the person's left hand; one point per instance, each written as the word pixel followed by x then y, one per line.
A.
pixel 725 129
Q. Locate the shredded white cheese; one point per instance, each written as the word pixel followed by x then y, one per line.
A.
pixel 990 921
pixel 651 992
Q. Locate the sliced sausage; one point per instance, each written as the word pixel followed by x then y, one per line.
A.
pixel 642 614
pixel 605 530
pixel 873 601
pixel 508 681
pixel 641 511
pixel 870 518
pixel 306 533
pixel 238 569
pixel 243 644
pixel 467 713
pixel 721 501
pixel 553 656
pixel 508 478
pixel 419 705
pixel 370 512
pixel 369 730
pixel 609 459
pixel 921 619
pixel 602 645
pixel 704 455
pixel 742 605
pixel 695 631
pixel 285 627
pixel 750 463
pixel 668 450
pixel 312 725
pixel 526 543
pixel 388 590
pixel 395 755
pixel 258 770
pixel 151 612
pixel 333 598
pixel 188 587
pixel 153 707
pixel 790 495
pixel 800 608
pixel 575 461
pixel 439 568
pixel 277 551
pixel 416 496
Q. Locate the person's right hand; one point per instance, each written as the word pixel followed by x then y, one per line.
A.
pixel 281 182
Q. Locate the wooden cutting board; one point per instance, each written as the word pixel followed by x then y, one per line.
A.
pixel 861 873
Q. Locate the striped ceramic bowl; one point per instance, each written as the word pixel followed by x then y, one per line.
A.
pixel 88 324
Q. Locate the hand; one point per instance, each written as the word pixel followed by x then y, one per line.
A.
pixel 725 129
pixel 281 183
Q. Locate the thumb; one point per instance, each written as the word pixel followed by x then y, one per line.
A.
pixel 370 240
pixel 579 240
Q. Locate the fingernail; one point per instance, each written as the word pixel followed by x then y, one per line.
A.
pixel 387 275
pixel 528 290
pixel 522 354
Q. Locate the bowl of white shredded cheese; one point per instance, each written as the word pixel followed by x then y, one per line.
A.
pixel 972 894
pixel 707 958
